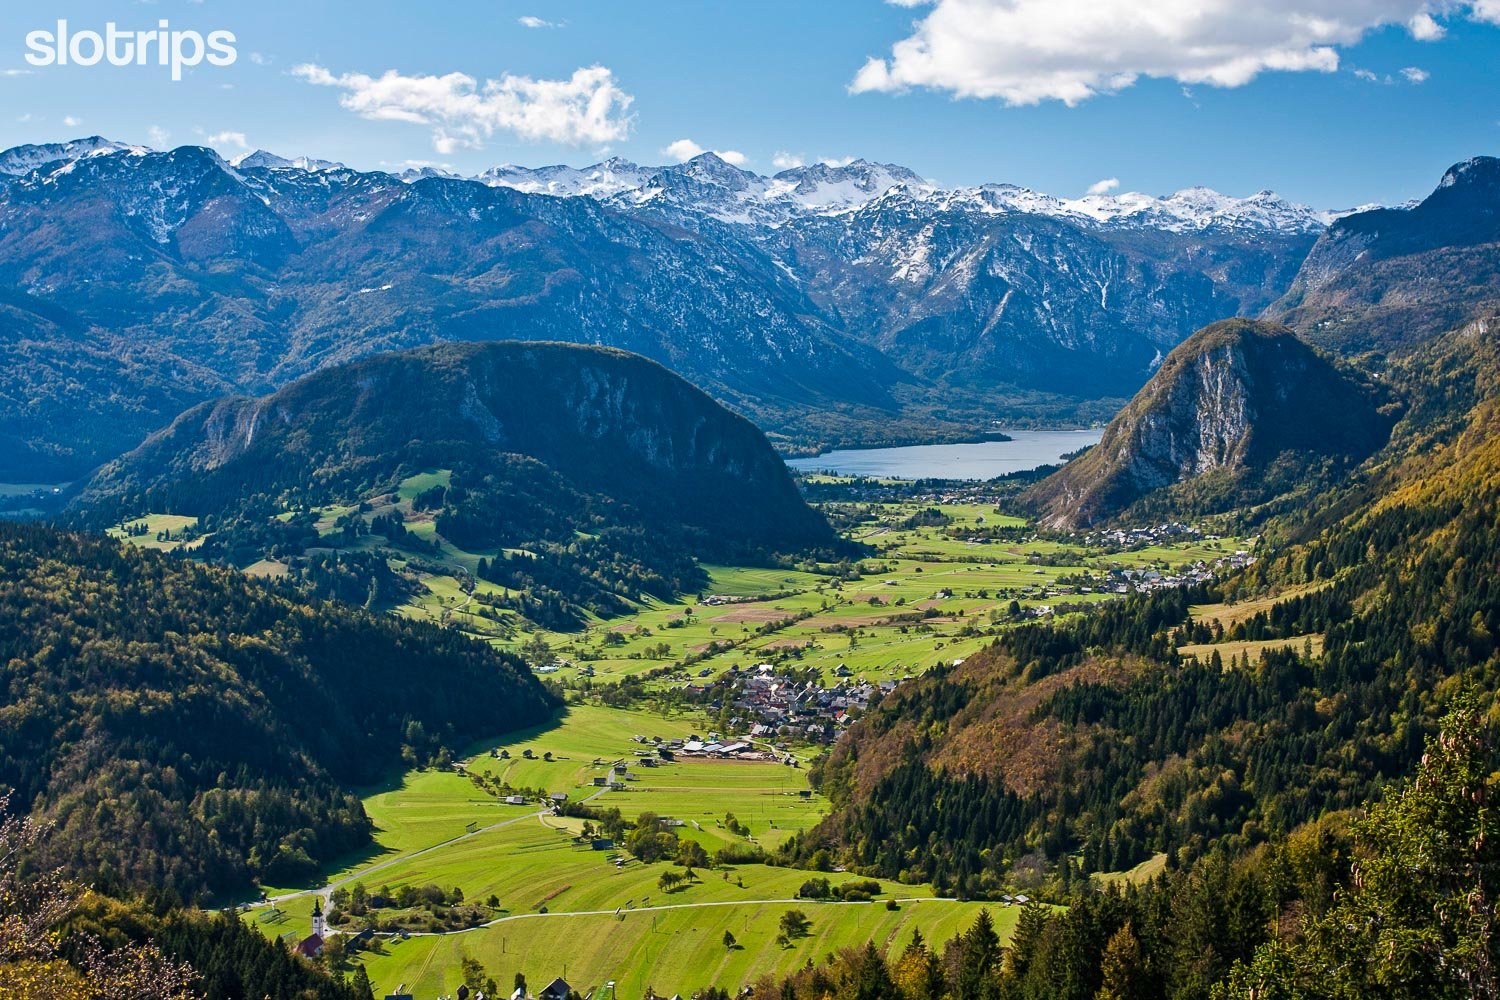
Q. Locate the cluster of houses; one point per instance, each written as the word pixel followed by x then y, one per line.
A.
pixel 1125 581
pixel 558 989
pixel 713 746
pixel 785 706
pixel 1155 534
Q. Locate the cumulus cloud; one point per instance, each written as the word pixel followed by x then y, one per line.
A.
pixel 787 161
pixel 836 161
pixel 587 108
pixel 159 136
pixel 530 21
pixel 1027 51
pixel 683 150
pixel 1415 74
pixel 1424 28
pixel 234 139
pixel 1105 186
pixel 70 121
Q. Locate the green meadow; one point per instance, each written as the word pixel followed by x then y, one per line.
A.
pixel 603 912
pixel 670 951
pixel 933 587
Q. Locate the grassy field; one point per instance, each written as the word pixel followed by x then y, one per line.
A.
pixel 1143 872
pixel 929 594
pixel 172 524
pixel 668 950
pixel 1230 615
pixel 1230 651
pixel 605 914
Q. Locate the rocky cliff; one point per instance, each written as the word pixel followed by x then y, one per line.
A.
pixel 1240 409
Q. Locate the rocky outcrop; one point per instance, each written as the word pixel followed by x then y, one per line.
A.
pixel 1234 399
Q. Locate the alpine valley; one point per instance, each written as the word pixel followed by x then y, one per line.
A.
pixel 404 591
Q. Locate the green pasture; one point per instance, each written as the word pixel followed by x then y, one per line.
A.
pixel 669 951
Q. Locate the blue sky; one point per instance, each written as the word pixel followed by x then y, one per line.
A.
pixel 963 91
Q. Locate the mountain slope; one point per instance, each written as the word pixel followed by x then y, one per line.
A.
pixel 262 274
pixel 830 303
pixel 586 475
pixel 976 293
pixel 1389 279
pixel 604 420
pixel 1244 404
pixel 187 729
pixel 1096 743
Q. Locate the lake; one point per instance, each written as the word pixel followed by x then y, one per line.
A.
pixel 983 460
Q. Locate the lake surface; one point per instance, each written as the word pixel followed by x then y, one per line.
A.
pixel 984 460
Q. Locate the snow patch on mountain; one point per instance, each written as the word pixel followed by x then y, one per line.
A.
pixel 21 160
pixel 266 160
pixel 708 187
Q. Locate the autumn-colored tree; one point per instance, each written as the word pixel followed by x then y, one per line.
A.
pixel 39 962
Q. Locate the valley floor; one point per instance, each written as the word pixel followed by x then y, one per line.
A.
pixel 937 588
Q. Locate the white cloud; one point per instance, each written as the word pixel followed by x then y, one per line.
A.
pixel 529 21
pixel 1028 51
pixel 787 161
pixel 158 136
pixel 1105 186
pixel 586 108
pixel 837 161
pixel 70 121
pixel 1424 28
pixel 16 72
pixel 1411 74
pixel 683 150
pixel 24 118
pixel 260 59
pixel 235 139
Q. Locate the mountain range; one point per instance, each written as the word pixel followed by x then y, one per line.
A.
pixel 851 303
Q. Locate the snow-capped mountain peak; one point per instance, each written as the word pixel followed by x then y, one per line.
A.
pixel 24 159
pixel 601 180
pixel 709 187
pixel 266 160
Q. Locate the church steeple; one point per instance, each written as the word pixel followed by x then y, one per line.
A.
pixel 319 924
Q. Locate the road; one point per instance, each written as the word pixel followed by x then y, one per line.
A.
pixel 327 890
pixel 670 906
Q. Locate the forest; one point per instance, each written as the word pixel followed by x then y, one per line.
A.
pixel 1397 903
pixel 189 730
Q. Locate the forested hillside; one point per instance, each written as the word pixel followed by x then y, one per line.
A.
pixel 586 477
pixel 1092 745
pixel 1396 904
pixel 189 730
pixel 1240 413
